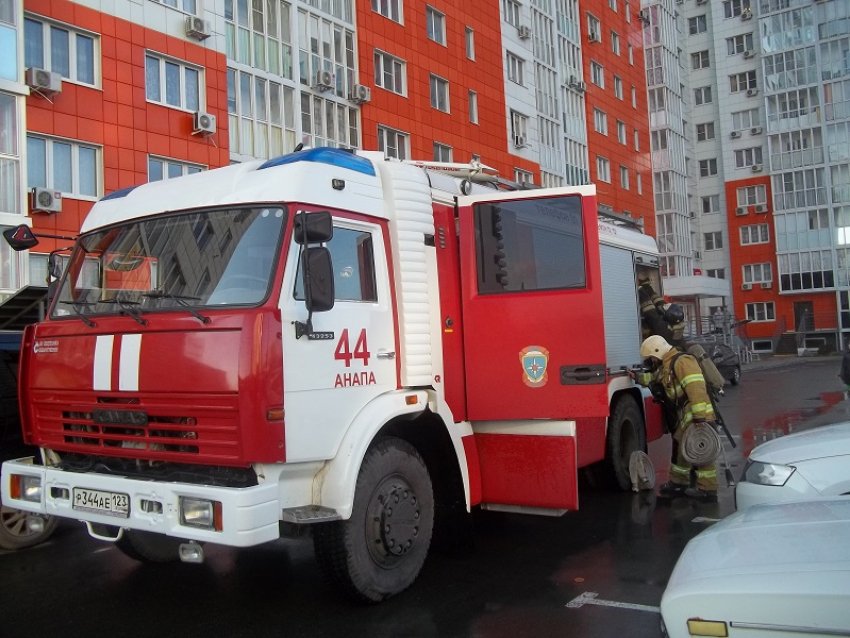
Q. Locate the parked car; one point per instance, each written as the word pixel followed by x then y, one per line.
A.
pixel 774 569
pixel 727 360
pixel 809 464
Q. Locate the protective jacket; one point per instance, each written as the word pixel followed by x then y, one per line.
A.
pixel 680 378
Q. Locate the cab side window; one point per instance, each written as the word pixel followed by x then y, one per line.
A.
pixel 352 253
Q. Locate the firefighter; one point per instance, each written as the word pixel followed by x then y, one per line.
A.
pixel 659 317
pixel 682 387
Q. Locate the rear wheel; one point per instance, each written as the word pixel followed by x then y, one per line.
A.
pixel 736 376
pixel 16 528
pixel 148 547
pixel 626 434
pixel 381 549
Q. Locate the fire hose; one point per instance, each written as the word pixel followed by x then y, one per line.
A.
pixel 700 444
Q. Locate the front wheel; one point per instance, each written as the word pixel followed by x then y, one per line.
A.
pixel 626 434
pixel 16 530
pixel 736 376
pixel 381 549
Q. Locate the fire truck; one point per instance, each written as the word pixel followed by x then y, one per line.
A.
pixel 332 345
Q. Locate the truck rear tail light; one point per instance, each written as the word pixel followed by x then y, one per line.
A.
pixel 25 487
pixel 275 414
pixel 201 513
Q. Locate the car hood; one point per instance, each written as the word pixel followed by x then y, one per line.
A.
pixel 817 443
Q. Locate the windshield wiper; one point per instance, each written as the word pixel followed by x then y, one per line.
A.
pixel 74 305
pixel 181 300
pixel 128 309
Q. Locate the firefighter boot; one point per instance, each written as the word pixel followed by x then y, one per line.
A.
pixel 705 496
pixel 671 489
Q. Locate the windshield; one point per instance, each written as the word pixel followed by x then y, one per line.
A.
pixel 199 259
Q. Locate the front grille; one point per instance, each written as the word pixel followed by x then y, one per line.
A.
pixel 197 429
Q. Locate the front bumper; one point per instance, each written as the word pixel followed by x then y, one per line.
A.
pixel 250 516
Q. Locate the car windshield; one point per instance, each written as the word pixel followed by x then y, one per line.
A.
pixel 200 259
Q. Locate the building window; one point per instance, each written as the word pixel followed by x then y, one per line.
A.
pixel 755 234
pixel 160 168
pixel 637 140
pixel 700 60
pixel 63 165
pixel 697 24
pixel 716 273
pixel 390 73
pixel 745 119
pixel 612 4
pixel 71 53
pixel 624 177
pixel 442 153
pixel 735 8
pixel 739 44
pixel 391 9
pixel 594 28
pixel 752 195
pixel 436 25
pixel 634 97
pixel 742 81
pixel 710 204
pixel 473 107
pixel 639 183
pixel 597 74
pixel 512 11
pixel 519 126
pixel 470 43
pixel 622 135
pixel 521 176
pixel 631 54
pixel 10 167
pixel 758 273
pixel 615 42
pixel 393 143
pixel 514 67
pixel 439 93
pixel 600 121
pixel 186 6
pixel 707 167
pixel 603 169
pixel 705 132
pixel 762 311
pixel 618 87
pixel 746 157
pixel 268 46
pixel 713 240
pixel 702 95
pixel 173 83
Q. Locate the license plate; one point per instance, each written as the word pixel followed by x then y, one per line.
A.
pixel 108 503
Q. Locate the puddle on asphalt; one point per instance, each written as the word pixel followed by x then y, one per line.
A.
pixel 788 422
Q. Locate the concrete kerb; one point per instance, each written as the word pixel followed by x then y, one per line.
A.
pixel 770 362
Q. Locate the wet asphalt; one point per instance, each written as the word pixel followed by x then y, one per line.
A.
pixel 599 572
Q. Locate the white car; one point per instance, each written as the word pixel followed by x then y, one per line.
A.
pixel 772 570
pixel 809 464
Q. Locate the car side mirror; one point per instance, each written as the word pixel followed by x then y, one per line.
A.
pixel 319 279
pixel 313 228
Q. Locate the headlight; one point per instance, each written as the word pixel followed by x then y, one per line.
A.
pixel 767 473
pixel 26 488
pixel 196 512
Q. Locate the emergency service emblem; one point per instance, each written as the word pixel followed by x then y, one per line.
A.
pixel 534 360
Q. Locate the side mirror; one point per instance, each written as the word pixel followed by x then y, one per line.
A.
pixel 319 279
pixel 54 266
pixel 20 238
pixel 313 228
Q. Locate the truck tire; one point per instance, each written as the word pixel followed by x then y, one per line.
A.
pixel 14 532
pixel 626 434
pixel 380 550
pixel 148 547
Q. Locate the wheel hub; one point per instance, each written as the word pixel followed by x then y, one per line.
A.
pixel 398 520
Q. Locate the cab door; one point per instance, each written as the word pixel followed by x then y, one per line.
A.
pixel 328 381
pixel 534 344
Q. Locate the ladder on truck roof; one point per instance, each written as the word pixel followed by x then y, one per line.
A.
pixel 474 171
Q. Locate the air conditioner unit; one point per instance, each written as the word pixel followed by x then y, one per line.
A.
pixel 742 210
pixel 581 87
pixel 752 92
pixel 765 285
pixel 761 208
pixel 680 1
pixel 746 15
pixel 524 32
pixel 573 81
pixel 643 16
pixel 198 28
pixel 701 1
pixel 360 94
pixel 593 36
pixel 520 141
pixel 43 81
pixel 203 123
pixel 46 200
pixel 697 254
pixel 756 130
pixel 324 80
pixel 735 134
pixel 749 54
pixel 756 168
pixel 746 286
pixel 692 214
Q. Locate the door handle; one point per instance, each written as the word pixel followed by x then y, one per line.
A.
pixel 383 354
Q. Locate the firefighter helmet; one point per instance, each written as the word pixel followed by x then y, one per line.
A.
pixel 654 346
pixel 673 314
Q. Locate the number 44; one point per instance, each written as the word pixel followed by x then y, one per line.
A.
pixel 361 349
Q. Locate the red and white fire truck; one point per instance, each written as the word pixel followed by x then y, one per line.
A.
pixel 337 345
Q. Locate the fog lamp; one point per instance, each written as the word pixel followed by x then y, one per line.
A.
pixel 698 627
pixel 201 513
